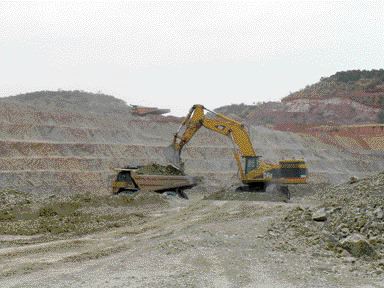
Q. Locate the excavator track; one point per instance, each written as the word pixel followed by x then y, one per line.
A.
pixel 272 192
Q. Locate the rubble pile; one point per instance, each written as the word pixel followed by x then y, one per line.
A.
pixel 348 223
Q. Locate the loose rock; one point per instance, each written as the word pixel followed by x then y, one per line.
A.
pixel 348 224
pixel 357 245
pixel 320 215
pixel 379 213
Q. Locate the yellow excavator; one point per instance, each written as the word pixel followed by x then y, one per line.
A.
pixel 257 175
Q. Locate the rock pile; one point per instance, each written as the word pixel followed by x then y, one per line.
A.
pixel 349 222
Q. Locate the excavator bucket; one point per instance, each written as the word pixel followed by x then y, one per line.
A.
pixel 173 156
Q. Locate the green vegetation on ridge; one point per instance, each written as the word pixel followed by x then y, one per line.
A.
pixel 363 86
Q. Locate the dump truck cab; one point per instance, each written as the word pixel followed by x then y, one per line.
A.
pixel 124 182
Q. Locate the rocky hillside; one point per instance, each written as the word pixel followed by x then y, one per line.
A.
pixel 349 97
pixel 362 86
pixel 76 101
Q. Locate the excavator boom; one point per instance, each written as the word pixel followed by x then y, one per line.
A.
pixel 221 124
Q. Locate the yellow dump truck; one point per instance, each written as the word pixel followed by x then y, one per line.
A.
pixel 129 181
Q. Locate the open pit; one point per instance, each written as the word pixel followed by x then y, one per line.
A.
pixel 60 225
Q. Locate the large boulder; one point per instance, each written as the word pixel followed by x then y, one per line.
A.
pixel 379 213
pixel 357 245
pixel 319 215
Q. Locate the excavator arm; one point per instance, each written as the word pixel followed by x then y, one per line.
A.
pixel 196 118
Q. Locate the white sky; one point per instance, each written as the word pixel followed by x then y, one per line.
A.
pixel 175 54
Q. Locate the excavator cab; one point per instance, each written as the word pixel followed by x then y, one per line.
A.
pixel 251 163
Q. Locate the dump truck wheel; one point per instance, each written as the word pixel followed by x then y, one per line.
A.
pixel 179 193
pixel 170 193
pixel 182 194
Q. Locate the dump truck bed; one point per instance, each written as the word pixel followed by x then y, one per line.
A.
pixel 127 180
pixel 163 182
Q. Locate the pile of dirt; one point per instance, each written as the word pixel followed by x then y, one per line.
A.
pixel 156 169
pixel 348 223
pixel 74 215
pixel 145 198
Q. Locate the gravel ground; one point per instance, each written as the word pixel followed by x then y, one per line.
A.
pixel 195 243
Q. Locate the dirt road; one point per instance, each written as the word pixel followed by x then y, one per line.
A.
pixel 196 243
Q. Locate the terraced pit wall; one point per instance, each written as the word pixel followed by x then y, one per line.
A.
pixel 58 151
